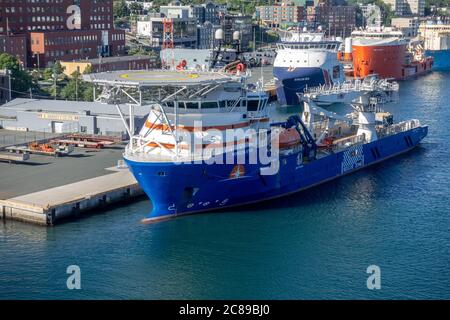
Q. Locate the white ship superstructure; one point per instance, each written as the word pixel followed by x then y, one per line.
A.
pixel 436 39
pixel 305 59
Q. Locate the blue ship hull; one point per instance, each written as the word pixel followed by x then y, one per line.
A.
pixel 441 58
pixel 289 83
pixel 177 189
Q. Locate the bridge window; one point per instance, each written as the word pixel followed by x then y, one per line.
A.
pixel 192 105
pixel 253 105
pixel 209 105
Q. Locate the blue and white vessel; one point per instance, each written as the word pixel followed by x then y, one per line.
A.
pixel 305 59
pixel 209 141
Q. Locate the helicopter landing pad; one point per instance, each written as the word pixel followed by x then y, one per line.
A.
pixel 152 78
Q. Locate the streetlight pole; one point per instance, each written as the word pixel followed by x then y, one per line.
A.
pixel 54 78
pixel 38 60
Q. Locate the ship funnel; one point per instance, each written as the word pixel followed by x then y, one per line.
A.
pixel 219 34
pixel 348 50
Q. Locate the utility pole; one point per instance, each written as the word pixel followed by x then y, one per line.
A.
pixel 8 72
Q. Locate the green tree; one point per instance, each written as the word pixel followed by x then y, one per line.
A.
pixel 48 74
pixel 88 70
pixel 21 81
pixel 136 7
pixel 77 89
pixel 120 9
pixel 58 69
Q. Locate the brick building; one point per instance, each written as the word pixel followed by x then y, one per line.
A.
pixel 47 47
pixel 283 14
pixel 336 20
pixel 15 45
pixel 87 26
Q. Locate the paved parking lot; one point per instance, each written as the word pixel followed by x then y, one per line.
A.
pixel 43 172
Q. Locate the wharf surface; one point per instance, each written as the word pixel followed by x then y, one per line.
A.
pixel 47 190
pixel 48 207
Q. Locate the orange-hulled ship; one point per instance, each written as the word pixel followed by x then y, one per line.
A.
pixel 386 52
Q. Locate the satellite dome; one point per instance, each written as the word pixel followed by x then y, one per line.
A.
pixel 219 34
pixel 236 35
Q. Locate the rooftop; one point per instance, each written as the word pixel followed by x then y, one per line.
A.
pixel 60 106
pixel 113 59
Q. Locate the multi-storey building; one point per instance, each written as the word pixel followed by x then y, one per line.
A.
pixel 15 45
pixel 50 46
pixel 409 26
pixel 407 7
pixel 205 35
pixel 415 7
pixel 207 12
pixel 285 13
pixel 336 20
pixel 19 16
pixel 47 20
pixel 214 12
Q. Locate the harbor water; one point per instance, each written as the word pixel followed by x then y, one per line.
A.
pixel 316 244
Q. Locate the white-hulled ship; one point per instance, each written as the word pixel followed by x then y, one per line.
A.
pixel 305 59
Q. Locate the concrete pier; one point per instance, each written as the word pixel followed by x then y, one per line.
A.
pixel 52 205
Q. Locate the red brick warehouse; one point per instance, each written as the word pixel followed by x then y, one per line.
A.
pixel 56 30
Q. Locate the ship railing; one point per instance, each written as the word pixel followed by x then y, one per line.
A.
pixel 357 85
pixel 185 157
pixel 348 142
pixel 336 88
pixel 398 128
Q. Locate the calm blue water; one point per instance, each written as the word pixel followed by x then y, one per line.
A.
pixel 313 245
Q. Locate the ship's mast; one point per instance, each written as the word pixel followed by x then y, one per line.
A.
pixel 168 43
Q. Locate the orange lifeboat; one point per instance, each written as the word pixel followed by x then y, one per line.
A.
pixel 289 138
pixel 327 143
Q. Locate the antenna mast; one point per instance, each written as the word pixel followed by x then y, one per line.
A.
pixel 168 44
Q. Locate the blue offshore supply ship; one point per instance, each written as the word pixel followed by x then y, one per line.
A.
pixel 304 60
pixel 209 142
